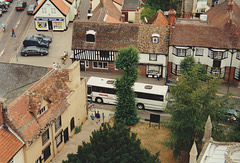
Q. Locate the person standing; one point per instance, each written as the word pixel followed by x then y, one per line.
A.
pixel 13 33
pixel 92 117
pixel 54 66
pixel 58 66
pixel 158 76
pixel 3 27
pixel 98 116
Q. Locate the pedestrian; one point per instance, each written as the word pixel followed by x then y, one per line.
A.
pixel 158 76
pixel 78 14
pixel 92 117
pixel 54 66
pixel 98 116
pixel 13 33
pixel 3 27
pixel 58 66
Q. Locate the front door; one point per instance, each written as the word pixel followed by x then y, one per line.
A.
pixel 82 65
pixel 50 25
pixel 216 67
pixel 66 137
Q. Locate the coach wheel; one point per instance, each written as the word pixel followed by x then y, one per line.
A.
pixel 140 106
pixel 99 100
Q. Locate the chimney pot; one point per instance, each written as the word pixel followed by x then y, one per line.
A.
pixel 171 17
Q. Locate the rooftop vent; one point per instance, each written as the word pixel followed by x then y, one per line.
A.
pixel 148 86
pixel 110 82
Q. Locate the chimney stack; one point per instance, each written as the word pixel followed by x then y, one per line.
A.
pixel 171 17
pixel 230 10
pixel 3 106
pixel 102 3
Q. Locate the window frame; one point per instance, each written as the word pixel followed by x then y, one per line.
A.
pixel 44 11
pixel 53 11
pixel 47 148
pixel 45 137
pixel 58 123
pixel 98 63
pixel 152 57
pixel 197 54
pixel 238 55
pixel 60 135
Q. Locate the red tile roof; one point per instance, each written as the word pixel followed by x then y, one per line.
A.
pixel 9 145
pixel 24 111
pixel 219 16
pixel 110 19
pixel 59 4
pixel 119 2
pixel 206 36
pixel 158 19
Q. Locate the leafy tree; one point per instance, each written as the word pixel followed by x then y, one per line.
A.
pixel 157 4
pixel 234 135
pixel 112 144
pixel 191 103
pixel 148 13
pixel 126 109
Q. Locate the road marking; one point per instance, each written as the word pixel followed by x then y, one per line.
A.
pixel 2 52
pixel 17 24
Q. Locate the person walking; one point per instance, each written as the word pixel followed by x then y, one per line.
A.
pixel 13 33
pixel 3 27
pixel 92 117
pixel 98 116
pixel 54 66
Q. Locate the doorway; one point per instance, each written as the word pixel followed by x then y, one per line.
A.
pixel 82 65
pixel 50 25
pixel 66 136
pixel 216 67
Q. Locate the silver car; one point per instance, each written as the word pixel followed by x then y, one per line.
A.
pixel 34 50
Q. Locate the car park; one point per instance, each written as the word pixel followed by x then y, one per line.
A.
pixel 41 36
pixel 21 6
pixel 31 9
pixel 34 50
pixel 34 41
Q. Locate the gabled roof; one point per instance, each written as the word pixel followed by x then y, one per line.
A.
pixel 158 19
pixel 110 19
pixel 9 144
pixel 23 113
pixel 59 4
pixel 206 36
pixel 113 36
pixel 219 16
pixel 119 2
pixel 107 8
pixel 131 5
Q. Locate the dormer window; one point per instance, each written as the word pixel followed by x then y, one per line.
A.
pixel 90 36
pixel 42 110
pixel 155 38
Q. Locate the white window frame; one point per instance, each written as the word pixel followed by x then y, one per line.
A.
pixel 44 11
pixel 199 52
pixel 100 65
pixel 53 11
pixel 152 57
pixel 238 55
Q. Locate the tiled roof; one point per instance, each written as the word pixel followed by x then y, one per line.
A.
pixel 108 8
pixel 219 16
pixel 110 19
pixel 206 36
pixel 120 2
pixel 113 36
pixel 59 4
pixel 158 19
pixel 9 144
pixel 24 111
pixel 131 5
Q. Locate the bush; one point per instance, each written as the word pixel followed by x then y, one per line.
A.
pixel 78 129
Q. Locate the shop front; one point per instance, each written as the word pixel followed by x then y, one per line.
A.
pixel 56 24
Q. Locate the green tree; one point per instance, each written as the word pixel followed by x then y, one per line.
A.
pixel 112 144
pixel 157 4
pixel 126 109
pixel 148 13
pixel 234 135
pixel 191 103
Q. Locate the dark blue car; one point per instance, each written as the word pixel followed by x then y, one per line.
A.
pixel 34 41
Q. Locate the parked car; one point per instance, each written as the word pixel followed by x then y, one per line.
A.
pixel 34 50
pixel 34 41
pixel 6 3
pixel 21 6
pixel 9 1
pixel 30 9
pixel 3 6
pixel 41 36
pixel 231 115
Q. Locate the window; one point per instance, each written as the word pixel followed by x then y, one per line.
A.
pixel 44 11
pixel 237 74
pixel 103 65
pixel 46 153
pixel 218 55
pixel 238 55
pixel 59 139
pixel 104 90
pixel 149 96
pixel 199 52
pixel 53 11
pixel 42 110
pixel 104 54
pixel 72 124
pixel 203 10
pixel 90 36
pixel 176 69
pixel 181 52
pixel 155 38
pixel 152 57
pixel 87 64
pixel 45 137
pixel 58 123
pixel 39 160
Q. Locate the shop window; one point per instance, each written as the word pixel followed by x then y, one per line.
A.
pixel 104 54
pixel 47 153
pixel 103 65
pixel 90 36
pixel 72 124
pixel 152 57
pixel 199 52
pixel 45 137
pixel 58 123
pixel 44 11
pixel 155 38
pixel 59 139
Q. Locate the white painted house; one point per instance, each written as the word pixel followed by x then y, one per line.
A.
pixel 52 15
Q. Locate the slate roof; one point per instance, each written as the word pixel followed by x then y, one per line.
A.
pixel 131 5
pixel 107 8
pixel 59 4
pixel 206 36
pixel 23 112
pixel 113 36
pixel 17 78
pixel 158 19
pixel 219 16
pixel 9 144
